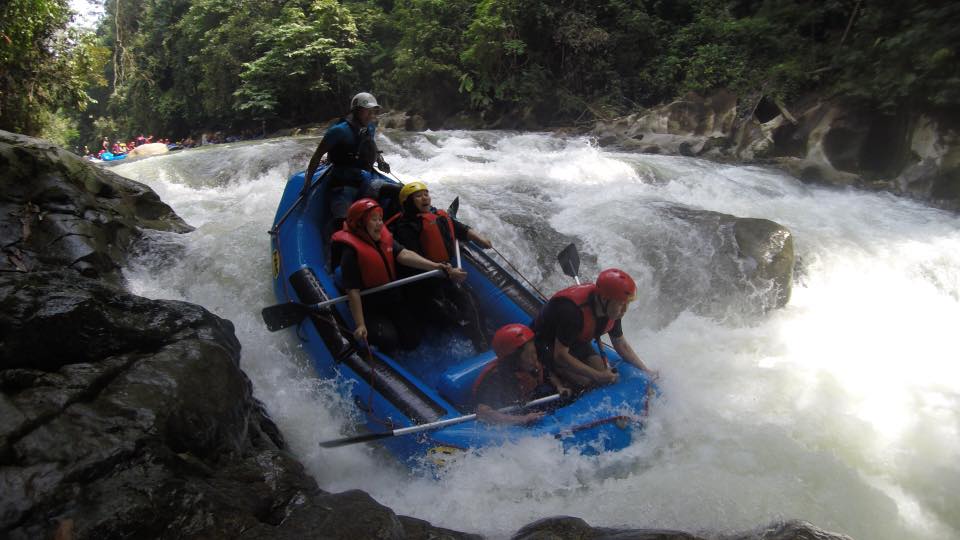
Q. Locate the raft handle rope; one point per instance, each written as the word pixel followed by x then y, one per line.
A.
pixel 514 268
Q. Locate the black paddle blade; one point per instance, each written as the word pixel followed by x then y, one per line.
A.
pixel 354 440
pixel 454 208
pixel 569 260
pixel 282 316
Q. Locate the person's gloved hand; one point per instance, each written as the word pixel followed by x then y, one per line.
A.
pixel 383 165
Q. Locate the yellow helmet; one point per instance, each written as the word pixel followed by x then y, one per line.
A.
pixel 410 189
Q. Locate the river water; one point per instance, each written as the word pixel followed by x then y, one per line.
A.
pixel 842 409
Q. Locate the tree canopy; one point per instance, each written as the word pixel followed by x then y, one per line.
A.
pixel 176 66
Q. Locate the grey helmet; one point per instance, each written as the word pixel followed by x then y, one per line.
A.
pixel 365 100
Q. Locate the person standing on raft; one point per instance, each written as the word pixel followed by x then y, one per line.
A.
pixel 368 257
pixel 577 315
pixel 350 147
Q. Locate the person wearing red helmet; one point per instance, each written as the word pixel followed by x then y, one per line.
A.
pixel 580 314
pixel 368 256
pixel 515 377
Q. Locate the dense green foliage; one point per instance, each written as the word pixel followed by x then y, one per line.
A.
pixel 43 66
pixel 179 66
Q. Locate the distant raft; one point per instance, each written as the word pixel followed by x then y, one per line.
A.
pixel 434 382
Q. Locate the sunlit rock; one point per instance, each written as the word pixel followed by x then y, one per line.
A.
pixel 150 149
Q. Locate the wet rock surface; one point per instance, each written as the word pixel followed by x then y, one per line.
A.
pixel 910 153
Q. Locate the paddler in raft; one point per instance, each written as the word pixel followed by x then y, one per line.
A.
pixel 431 233
pixel 577 315
pixel 368 257
pixel 515 377
pixel 351 148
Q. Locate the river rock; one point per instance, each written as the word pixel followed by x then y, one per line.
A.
pixel 61 211
pixel 570 528
pixel 715 264
pixel 149 149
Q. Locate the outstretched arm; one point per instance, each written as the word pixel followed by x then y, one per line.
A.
pixel 479 239
pixel 624 349
pixel 411 258
pixel 322 149
pixel 356 309
pixel 493 416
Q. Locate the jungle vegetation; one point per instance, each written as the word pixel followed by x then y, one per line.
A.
pixel 176 66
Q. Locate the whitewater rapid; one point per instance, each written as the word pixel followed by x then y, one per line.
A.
pixel 842 409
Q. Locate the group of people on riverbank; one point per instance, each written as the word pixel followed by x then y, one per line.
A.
pixel 553 355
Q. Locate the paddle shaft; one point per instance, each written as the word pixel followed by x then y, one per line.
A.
pixel 392 284
pixel 432 425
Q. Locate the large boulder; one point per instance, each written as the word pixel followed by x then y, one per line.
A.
pixel 61 211
pixel 714 264
pixel 149 149
pixel 570 528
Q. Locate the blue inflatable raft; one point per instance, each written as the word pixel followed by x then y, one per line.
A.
pixel 434 382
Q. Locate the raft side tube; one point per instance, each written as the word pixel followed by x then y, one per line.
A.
pixel 398 390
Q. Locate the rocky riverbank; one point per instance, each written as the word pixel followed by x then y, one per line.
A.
pixel 828 141
pixel 914 154
pixel 125 417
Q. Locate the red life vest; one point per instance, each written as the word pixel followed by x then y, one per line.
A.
pixel 580 295
pixel 376 262
pixel 431 239
pixel 526 380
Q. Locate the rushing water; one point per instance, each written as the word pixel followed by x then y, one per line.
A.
pixel 842 409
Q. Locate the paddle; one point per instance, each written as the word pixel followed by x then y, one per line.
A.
pixel 426 427
pixel 452 211
pixel 281 316
pixel 569 261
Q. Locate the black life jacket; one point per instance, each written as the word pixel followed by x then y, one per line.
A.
pixel 362 154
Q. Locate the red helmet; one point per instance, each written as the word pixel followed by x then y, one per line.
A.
pixel 508 339
pixel 356 215
pixel 615 284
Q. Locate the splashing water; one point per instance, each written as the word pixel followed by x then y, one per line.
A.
pixel 842 409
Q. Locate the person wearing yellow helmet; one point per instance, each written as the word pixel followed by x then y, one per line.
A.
pixel 431 233
pixel 577 315
pixel 351 148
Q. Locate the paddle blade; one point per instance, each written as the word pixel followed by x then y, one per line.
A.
pixel 354 440
pixel 569 260
pixel 282 316
pixel 454 208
